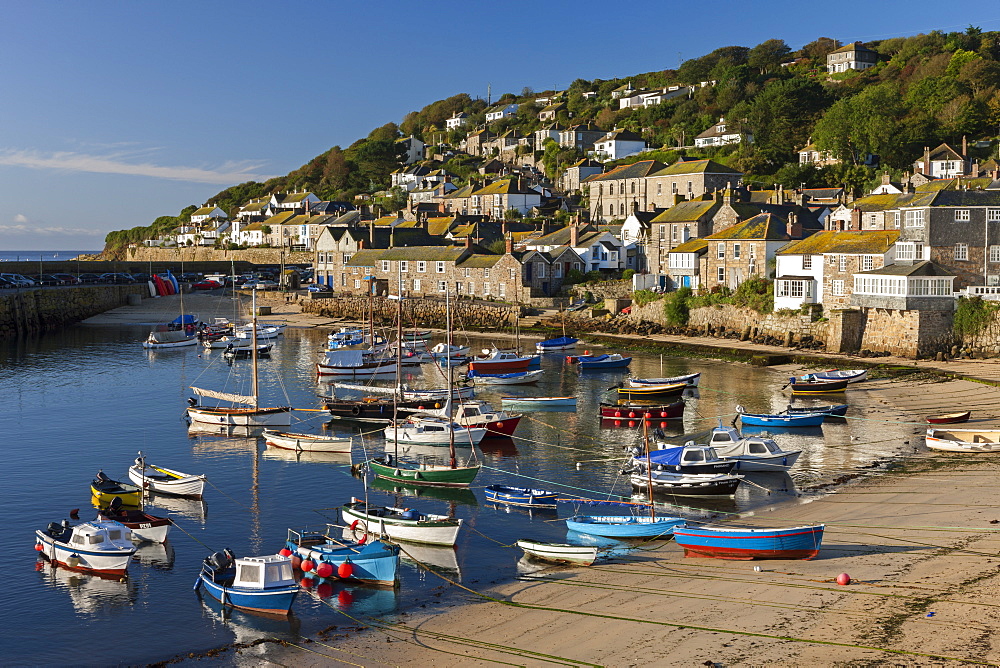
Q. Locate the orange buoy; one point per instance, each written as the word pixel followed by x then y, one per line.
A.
pixel 618 413
pixel 307 565
pixel 843 579
pixel 345 570
pixel 324 570
pixel 38 547
pixel 285 552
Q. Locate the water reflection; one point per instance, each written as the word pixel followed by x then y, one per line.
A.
pixel 155 555
pixel 339 458
pixel 459 495
pixel 192 509
pixel 90 593
pixel 355 600
pixel 246 625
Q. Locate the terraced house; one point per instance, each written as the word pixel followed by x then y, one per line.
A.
pixel 745 249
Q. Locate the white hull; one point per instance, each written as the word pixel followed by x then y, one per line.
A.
pixel 403 530
pixel 691 379
pixel 152 345
pixel 781 462
pixel 528 378
pixel 186 485
pixel 573 554
pixel 306 442
pixel 411 435
pixel 151 534
pixel 234 417
pixel 964 440
pixel 364 370
pixel 111 561
pixel 262 333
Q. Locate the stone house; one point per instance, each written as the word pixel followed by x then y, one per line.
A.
pixel 683 266
pixel 549 112
pixel 746 249
pixel 676 226
pixel 820 268
pixel 296 202
pixel 688 179
pixel 614 193
pixel 543 134
pixel 543 272
pixel 720 134
pixel 850 57
pixel 581 137
pixel 335 247
pixel 578 172
pixel 598 250
pixel 618 144
pixel 811 155
pixel 476 140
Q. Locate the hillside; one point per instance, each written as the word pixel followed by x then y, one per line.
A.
pixel 924 90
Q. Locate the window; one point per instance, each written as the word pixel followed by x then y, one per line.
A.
pixel 838 288
pixel 611 209
pixel 557 270
pixel 914 218
pixel 421 266
pixel 513 274
pixel 722 275
pixel 842 263
pixel 472 288
pixel 736 251
pixel 633 187
pixel 872 220
pixel 791 288
pixel 503 290
pixel 895 219
pixel 611 189
pixel 458 287
pixel 576 265
pixel 753 250
pixel 486 272
pixel 994 253
pixel 659 188
pixel 690 187
pixel 867 262
pixel 961 251
pixel 540 269
pixel 961 214
pixel 807 262
pixel 993 214
pixel 385 265
pixel 442 286
pixel 486 289
pixel 721 251
pixel 346 258
pixel 416 285
pixel 357 284
pixel 467 272
pixel 439 267
pixel 404 266
pixel 343 280
pixel 673 188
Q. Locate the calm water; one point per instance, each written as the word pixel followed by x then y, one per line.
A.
pixel 44 255
pixel 89 398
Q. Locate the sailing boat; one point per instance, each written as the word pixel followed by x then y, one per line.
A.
pixel 178 333
pixel 390 467
pixel 251 416
pixel 561 343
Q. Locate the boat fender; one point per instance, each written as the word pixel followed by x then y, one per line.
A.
pixel 197 584
pixel 345 570
pixel 73 560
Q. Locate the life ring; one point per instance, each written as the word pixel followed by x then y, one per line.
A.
pixel 364 532
pixel 354 524
pixel 355 410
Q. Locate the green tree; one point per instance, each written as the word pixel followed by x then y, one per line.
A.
pixel 768 55
pixel 394 200
pixel 865 123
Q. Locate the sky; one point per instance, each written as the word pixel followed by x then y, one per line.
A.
pixel 114 113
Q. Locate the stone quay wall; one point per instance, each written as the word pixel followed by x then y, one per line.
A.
pixel 602 290
pixel 204 254
pixel 418 312
pixel 30 312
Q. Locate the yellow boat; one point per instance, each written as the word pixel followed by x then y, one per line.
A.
pixel 104 489
pixel 639 392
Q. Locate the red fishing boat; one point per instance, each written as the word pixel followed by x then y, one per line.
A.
pixel 499 361
pixel 674 411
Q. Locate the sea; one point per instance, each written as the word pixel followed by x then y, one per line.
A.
pixel 89 398
pixel 43 255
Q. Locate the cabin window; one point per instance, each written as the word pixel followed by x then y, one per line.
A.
pixel 433 427
pixel 96 539
pixel 115 534
pixel 249 573
pixel 694 456
pixel 471 411
pixel 79 540
pixel 757 448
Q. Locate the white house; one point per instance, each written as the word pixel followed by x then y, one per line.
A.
pixel 207 213
pixel 618 144
pixel 501 111
pixel 457 121
pixel 719 134
pixel 300 202
pixel 944 162
pixel 598 249
pixel 414 149
pixel 850 57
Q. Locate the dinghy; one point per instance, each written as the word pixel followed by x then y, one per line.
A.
pixel 651 392
pixel 432 431
pixel 835 410
pixel 738 543
pixel 782 421
pixel 561 553
pixel 97 547
pixel 514 378
pixel 104 489
pixel 597 362
pixel 165 481
pixel 689 379
pixel 964 440
pixel 850 375
pixel 809 384
pixel 536 403
pixel 287 440
pixel 521 496
pixel 262 584
pixel 615 526
pixel 751 453
pixel 560 343
pixel 949 418
pixel 400 524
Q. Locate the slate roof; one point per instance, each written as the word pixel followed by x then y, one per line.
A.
pixel 621 134
pixel 765 226
pixel 561 237
pixel 480 261
pixel 586 162
pixel 847 48
pixel 427 253
pixel 280 218
pixel 847 243
pixel 923 268
pixel 823 193
pixel 291 197
pixel 367 257
pixel 634 171
pixel 691 246
pixel 687 212
pixel 705 166
pixel 505 187
pixel 944 152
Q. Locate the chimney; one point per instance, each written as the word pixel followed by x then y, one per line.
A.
pixel 792 227
pixel 508 245
pixel 974 173
pixel 965 147
pixel 635 207
pixel 468 241
pixel 927 160
pixel 574 235
pixel 361 244
pixel 855 219
pixel 503 228
pixel 885 178
pixel 371 232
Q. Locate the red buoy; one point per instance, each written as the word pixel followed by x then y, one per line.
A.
pixel 618 413
pixel 499 425
pixel 38 547
pixel 307 582
pixel 307 565
pixel 843 579
pixel 324 570
pixel 345 570
pixel 345 598
pixel 631 414
pixel 285 552
pixel 631 423
pixel 420 408
pixel 663 414
pixel 663 425
pixel 324 590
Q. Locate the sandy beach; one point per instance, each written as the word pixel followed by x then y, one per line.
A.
pixel 921 542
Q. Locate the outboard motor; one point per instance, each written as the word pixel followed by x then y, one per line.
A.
pixel 102 477
pixel 115 506
pixel 192 402
pixel 55 528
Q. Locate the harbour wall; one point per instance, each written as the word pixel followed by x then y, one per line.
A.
pixel 31 312
pixel 417 312
pixel 204 254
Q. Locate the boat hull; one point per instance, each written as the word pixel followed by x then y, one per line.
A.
pixel 424 474
pixel 502 366
pixel 561 343
pixel 538 402
pixel 762 463
pixel 437 531
pixel 745 544
pixel 190 486
pixel 803 387
pixel 517 378
pixel 306 442
pixel 559 552
pixel 153 345
pixel 689 485
pixel 366 369
pixel 951 418
pixel 376 563
pixel 614 526
pixel 110 562
pixel 964 440
pixel 837 410
pixel 782 421
pixel 407 435
pixel 378 411
pixel 674 411
pixel 280 416
pixel 519 496
pixel 691 379
pixel 652 391
pixel 277 601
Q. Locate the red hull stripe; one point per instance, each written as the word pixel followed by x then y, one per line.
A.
pixel 727 537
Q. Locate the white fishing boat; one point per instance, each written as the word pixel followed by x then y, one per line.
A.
pixel 352 362
pixel 432 431
pixel 252 415
pixel 443 350
pixel 582 555
pixel 169 338
pixel 165 481
pixel 402 524
pixel 97 546
pixel 690 379
pixel 407 394
pixel 265 330
pixel 306 442
pixel 478 414
pixel 964 440
pixel 752 453
pixel 513 378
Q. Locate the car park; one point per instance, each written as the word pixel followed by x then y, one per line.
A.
pixel 265 285
pixel 4 283
pixel 90 279
pixel 68 279
pixel 46 279
pixel 116 278
pixel 18 280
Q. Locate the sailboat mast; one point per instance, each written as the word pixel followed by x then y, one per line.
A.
pixel 649 467
pixel 451 391
pixel 399 364
pixel 253 346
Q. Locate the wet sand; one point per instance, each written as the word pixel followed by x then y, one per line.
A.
pixel 921 542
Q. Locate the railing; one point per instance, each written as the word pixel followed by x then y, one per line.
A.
pixel 988 292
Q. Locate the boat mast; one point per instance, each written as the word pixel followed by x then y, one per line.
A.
pixel 451 391
pixel 399 364
pixel 253 345
pixel 649 467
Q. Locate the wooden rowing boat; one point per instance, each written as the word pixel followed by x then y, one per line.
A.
pixel 559 552
pixel 949 418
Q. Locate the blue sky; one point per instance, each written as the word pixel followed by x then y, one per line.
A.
pixel 114 113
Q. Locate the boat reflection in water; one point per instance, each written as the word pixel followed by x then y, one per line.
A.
pixel 355 600
pixel 196 429
pixel 193 509
pixel 91 593
pixel 501 446
pixel 247 625
pixel 541 513
pixel 433 557
pixel 460 495
pixel 155 555
pixel 339 458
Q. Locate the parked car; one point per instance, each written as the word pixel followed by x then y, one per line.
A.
pixel 46 279
pixel 90 279
pixel 265 285
pixel 4 283
pixel 207 284
pixel 68 279
pixel 117 278
pixel 319 287
pixel 18 280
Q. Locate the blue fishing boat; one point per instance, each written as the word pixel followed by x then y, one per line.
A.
pixel 834 410
pixel 783 421
pixel 521 496
pixel 616 526
pixel 320 554
pixel 613 361
pixel 261 584
pixel 561 343
pixel 743 543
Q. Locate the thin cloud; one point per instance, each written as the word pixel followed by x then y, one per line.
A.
pixel 228 173
pixel 48 231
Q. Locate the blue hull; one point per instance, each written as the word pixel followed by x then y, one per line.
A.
pixel 519 496
pixel 624 527
pixel 804 420
pixel 561 343
pixel 794 543
pixel 375 562
pixel 276 601
pixel 839 410
pixel 598 363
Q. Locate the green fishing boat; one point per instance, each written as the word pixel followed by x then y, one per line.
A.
pixel 422 473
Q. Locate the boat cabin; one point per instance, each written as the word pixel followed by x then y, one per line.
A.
pixel 272 570
pixel 729 443
pixel 104 535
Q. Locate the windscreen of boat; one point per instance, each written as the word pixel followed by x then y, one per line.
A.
pixel 758 448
